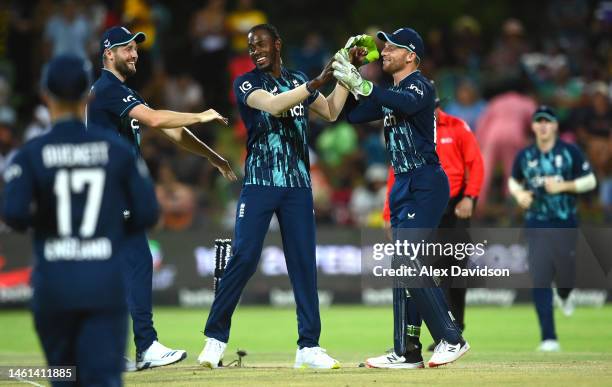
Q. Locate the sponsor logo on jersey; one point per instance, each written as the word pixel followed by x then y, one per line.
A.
pixel 390 120
pixel 416 89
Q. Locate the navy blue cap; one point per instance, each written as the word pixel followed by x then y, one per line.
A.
pixel 406 38
pixel 544 112
pixel 67 77
pixel 119 36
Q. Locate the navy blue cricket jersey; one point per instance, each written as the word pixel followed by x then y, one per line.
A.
pixel 79 182
pixel 564 162
pixel 110 106
pixel 408 113
pixel 277 147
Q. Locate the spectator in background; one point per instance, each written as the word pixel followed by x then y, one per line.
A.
pixel 502 131
pixel 564 92
pixel 182 93
pixel 138 16
pixel 210 45
pixel 312 56
pixel 368 199
pixel 176 200
pixel 594 128
pixel 335 142
pixel 504 61
pixel 466 46
pixel 240 21
pixel 40 124
pixel 7 112
pixel 8 144
pixel 68 31
pixel 468 105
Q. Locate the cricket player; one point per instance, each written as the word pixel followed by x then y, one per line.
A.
pixel 461 160
pixel 546 178
pixel 420 193
pixel 274 102
pixel 117 108
pixel 71 186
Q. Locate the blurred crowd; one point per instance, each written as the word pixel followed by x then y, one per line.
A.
pixel 189 63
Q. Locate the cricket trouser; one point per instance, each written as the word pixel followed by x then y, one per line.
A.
pixel 138 276
pixel 552 257
pixel 93 340
pixel 417 202
pixel 294 209
pixel 454 230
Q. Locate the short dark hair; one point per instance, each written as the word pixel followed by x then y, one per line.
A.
pixel 267 27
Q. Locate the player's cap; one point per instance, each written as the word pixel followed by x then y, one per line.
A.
pixel 67 77
pixel 544 112
pixel 119 36
pixel 406 38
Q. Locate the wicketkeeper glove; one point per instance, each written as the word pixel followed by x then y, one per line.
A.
pixel 349 76
pixel 367 42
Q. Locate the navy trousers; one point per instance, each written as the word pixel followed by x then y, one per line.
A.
pixel 551 257
pixel 138 274
pixel 93 340
pixel 294 210
pixel 417 202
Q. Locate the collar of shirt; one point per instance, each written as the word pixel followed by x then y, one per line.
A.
pixel 68 123
pixel 110 76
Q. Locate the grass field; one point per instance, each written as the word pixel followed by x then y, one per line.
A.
pixel 502 340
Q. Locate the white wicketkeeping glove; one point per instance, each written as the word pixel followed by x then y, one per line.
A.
pixel 349 76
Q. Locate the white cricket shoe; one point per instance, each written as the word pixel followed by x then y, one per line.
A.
pixel 314 357
pixel 549 346
pixel 158 355
pixel 129 365
pixel 445 353
pixel 567 306
pixel 392 360
pixel 212 353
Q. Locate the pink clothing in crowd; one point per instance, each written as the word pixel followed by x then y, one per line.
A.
pixel 502 131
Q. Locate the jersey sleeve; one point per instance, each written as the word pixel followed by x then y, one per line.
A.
pixel 120 100
pixel 410 100
pixel 580 165
pixel 244 85
pixel 18 193
pixel 517 171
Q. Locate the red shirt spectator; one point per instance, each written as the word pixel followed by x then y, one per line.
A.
pixel 459 155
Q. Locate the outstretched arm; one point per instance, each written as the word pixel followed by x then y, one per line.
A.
pixel 188 141
pixel 162 119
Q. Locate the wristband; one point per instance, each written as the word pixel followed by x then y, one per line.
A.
pixel 311 91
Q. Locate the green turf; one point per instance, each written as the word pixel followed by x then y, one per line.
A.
pixel 502 339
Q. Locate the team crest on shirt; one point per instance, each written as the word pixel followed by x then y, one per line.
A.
pixel 295 83
pixel 558 161
pixel 532 163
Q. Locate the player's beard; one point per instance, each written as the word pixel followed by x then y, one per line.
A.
pixel 124 69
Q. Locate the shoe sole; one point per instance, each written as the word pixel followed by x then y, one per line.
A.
pixel 161 363
pixel 406 366
pixel 462 352
pixel 207 364
pixel 305 366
